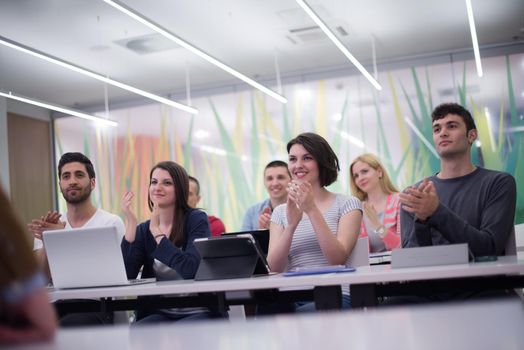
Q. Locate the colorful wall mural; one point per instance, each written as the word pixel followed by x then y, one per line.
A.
pixel 227 145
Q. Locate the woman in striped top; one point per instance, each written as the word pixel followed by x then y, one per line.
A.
pixel 370 183
pixel 314 227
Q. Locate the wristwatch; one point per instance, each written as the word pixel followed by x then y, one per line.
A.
pixel 380 231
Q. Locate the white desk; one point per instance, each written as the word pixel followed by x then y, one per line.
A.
pixel 383 280
pixel 494 325
pixel 366 283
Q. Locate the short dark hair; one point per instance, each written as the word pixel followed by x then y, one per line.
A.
pixel 194 179
pixel 277 164
pixel 442 110
pixel 72 157
pixel 321 151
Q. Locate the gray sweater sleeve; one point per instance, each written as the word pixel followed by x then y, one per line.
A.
pixel 412 232
pixel 496 220
pixel 491 203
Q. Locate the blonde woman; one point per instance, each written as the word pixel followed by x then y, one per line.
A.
pixel 370 183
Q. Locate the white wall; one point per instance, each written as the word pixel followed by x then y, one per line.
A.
pixel 7 105
pixel 28 110
pixel 4 155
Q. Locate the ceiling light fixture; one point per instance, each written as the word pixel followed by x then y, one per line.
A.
pixel 354 140
pixel 147 22
pixel 59 109
pixel 64 64
pixel 201 134
pixel 338 43
pixel 474 39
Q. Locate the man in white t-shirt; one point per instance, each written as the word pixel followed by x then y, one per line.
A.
pixel 77 180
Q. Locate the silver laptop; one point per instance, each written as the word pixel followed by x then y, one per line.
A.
pixel 86 257
pixel 448 254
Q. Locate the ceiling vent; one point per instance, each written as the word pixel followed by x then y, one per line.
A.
pixel 299 29
pixel 312 34
pixel 147 44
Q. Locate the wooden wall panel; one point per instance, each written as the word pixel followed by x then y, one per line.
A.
pixel 30 166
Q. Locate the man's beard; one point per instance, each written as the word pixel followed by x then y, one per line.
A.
pixel 82 196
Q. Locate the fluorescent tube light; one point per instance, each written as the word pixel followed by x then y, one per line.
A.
pixel 147 22
pixel 354 140
pixel 214 150
pixel 474 39
pixel 64 64
pixel 338 43
pixel 59 109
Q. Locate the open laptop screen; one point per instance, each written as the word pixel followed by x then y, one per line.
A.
pixel 261 236
pixel 85 257
pixel 230 256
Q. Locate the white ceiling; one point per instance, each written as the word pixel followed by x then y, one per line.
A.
pixel 245 34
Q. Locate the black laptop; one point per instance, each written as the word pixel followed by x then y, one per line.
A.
pixel 261 236
pixel 230 256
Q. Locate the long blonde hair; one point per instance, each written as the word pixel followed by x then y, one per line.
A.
pixel 373 161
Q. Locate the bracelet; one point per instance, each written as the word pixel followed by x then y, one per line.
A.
pixel 381 231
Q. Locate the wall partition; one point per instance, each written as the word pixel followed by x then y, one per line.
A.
pixel 227 145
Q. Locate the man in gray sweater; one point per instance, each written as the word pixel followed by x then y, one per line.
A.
pixel 462 203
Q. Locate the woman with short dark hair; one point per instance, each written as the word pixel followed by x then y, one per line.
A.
pixel 315 227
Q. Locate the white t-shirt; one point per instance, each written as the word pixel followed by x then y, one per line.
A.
pixel 101 218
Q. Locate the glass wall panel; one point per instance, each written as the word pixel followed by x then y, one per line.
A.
pixel 227 145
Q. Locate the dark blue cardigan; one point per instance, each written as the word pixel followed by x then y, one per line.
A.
pixel 184 260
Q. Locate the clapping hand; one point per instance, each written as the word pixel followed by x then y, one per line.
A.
pixel 302 195
pixel 294 199
pixel 52 217
pixel 422 201
pixel 127 202
pixel 264 219
pixel 51 221
pixel 371 214
pixel 131 220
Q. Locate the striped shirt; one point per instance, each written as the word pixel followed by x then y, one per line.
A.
pixel 391 220
pixel 305 250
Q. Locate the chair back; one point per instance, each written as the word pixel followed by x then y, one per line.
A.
pixel 518 239
pixel 511 245
pixel 360 254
